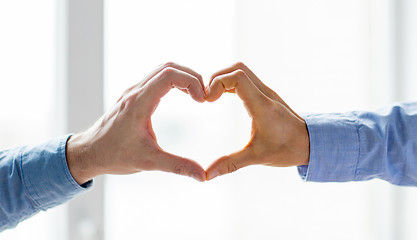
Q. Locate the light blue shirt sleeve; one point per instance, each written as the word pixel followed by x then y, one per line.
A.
pixel 34 179
pixel 358 146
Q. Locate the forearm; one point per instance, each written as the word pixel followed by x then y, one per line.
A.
pixel 34 179
pixel 360 146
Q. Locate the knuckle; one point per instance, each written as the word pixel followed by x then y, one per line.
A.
pixel 126 92
pixel 127 100
pixel 179 169
pixel 123 102
pixel 132 97
pixel 168 71
pixel 239 73
pixel 239 65
pixel 215 79
pixel 169 64
pixel 231 166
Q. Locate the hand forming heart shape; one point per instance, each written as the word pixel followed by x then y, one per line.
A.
pixel 123 140
pixel 278 136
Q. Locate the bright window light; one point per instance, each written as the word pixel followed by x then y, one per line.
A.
pixel 314 55
pixel 27 63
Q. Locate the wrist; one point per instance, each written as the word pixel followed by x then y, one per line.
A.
pixel 303 143
pixel 79 159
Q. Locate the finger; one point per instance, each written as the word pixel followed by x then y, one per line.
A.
pixel 159 69
pixel 172 65
pixel 229 164
pixel 252 97
pixel 168 78
pixel 229 91
pixel 258 83
pixel 168 162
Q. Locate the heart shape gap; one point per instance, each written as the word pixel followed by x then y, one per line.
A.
pixel 201 131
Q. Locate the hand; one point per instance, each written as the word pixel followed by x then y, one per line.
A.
pixel 279 137
pixel 123 141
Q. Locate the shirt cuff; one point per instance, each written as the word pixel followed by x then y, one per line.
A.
pixel 334 148
pixel 46 175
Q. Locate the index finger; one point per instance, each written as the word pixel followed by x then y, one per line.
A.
pixel 161 68
pixel 239 65
pixel 165 80
pixel 257 81
pixel 237 80
pixel 172 65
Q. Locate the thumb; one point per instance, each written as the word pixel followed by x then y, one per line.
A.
pixel 168 162
pixel 230 163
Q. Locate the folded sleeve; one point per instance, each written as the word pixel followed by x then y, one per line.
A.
pixel 358 146
pixel 35 178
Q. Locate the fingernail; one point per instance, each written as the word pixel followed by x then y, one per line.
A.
pixel 212 175
pixel 196 176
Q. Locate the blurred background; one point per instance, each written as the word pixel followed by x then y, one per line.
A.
pixel 64 62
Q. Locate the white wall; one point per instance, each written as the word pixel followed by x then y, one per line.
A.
pixel 319 56
pixel 27 71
